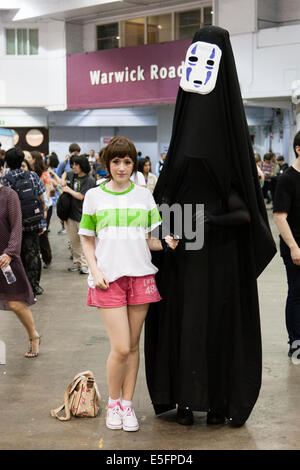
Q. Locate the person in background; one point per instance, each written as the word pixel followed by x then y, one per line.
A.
pixel 2 157
pixel 30 249
pixel 283 166
pixel 92 157
pixel 52 161
pixel 99 168
pixel 160 164
pixel 52 164
pixel 26 166
pixel 267 167
pixel 64 167
pixel 27 156
pixel 79 183
pixel 287 219
pixel 18 295
pixel 144 166
pixel 261 176
pixel 38 166
pixel 62 170
pixel 276 173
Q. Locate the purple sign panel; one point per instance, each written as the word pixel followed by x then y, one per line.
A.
pixel 125 77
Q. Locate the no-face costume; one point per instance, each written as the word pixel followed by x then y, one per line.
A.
pixel 203 340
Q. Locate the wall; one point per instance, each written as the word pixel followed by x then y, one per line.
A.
pixel 266 61
pixel 238 16
pixel 89 37
pixel 23 117
pixel 164 126
pixel 35 81
pixel 268 10
pixel 289 10
pixel 74 38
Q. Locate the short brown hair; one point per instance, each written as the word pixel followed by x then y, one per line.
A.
pixel 120 147
pixel 268 156
pixel 74 148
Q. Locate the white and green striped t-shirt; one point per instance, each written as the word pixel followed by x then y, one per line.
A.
pixel 119 222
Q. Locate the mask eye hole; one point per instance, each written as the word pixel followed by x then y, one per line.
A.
pixel 193 59
pixel 210 62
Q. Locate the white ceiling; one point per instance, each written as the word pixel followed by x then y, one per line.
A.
pixel 86 10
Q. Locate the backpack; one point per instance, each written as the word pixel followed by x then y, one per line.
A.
pixel 63 205
pixel 31 204
pixel 82 398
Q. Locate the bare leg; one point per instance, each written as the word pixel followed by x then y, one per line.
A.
pixel 25 316
pixel 136 318
pixel 116 323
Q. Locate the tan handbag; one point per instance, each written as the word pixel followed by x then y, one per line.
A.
pixel 82 398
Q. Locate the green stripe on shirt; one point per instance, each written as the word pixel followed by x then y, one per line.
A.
pixel 88 222
pixel 120 218
pixel 153 217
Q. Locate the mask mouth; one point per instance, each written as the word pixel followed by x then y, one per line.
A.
pixel 197 82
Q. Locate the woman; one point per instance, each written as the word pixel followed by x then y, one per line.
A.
pixel 121 283
pixel 52 164
pixel 17 296
pixel 38 166
pixel 26 166
pixel 145 168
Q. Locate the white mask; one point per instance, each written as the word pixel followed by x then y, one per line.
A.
pixel 201 68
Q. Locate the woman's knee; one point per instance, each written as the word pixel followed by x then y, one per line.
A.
pixel 134 345
pixel 121 353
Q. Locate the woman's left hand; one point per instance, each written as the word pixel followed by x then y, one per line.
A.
pixel 171 242
pixel 5 260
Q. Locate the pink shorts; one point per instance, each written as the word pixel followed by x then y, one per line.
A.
pixel 127 290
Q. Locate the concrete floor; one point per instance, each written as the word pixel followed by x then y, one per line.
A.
pixel 74 339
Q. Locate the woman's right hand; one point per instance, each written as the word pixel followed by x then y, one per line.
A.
pixel 100 280
pixel 295 255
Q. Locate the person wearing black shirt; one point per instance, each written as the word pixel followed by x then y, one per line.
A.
pixel 282 164
pixel 287 218
pixel 80 183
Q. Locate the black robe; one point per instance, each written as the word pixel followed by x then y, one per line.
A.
pixel 203 340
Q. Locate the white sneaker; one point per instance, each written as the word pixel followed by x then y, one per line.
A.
pixel 114 417
pixel 130 423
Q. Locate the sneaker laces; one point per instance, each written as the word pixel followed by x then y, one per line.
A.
pixel 115 409
pixel 128 411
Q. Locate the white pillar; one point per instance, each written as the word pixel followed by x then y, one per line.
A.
pixel 164 126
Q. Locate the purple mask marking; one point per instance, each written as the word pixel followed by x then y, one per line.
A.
pixel 188 72
pixel 213 54
pixel 207 77
pixel 194 50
